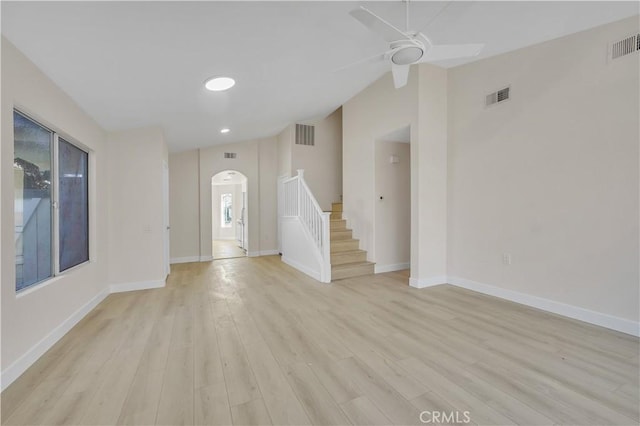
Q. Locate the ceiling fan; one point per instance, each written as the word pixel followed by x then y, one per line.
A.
pixel 409 47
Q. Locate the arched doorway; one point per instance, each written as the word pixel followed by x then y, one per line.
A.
pixel 229 215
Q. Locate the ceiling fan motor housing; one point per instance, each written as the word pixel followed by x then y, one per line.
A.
pixel 406 52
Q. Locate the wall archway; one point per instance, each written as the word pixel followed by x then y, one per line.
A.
pixel 229 214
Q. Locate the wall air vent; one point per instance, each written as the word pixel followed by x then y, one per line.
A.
pixel 230 155
pixel 625 46
pixel 497 97
pixel 305 135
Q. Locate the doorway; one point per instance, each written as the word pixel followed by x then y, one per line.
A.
pixel 229 214
pixel 393 202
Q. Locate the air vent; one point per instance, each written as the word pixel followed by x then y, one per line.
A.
pixel 305 135
pixel 497 97
pixel 230 155
pixel 625 46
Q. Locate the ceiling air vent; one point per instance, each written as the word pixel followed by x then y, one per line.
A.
pixel 625 46
pixel 230 155
pixel 497 97
pixel 305 135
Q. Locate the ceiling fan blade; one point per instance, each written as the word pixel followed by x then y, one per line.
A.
pixel 440 52
pixel 400 75
pixel 377 57
pixel 378 25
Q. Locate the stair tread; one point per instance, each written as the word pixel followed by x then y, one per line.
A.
pixel 352 265
pixel 352 251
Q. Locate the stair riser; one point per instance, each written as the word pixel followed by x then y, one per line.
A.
pixel 336 207
pixel 341 234
pixel 352 272
pixel 340 224
pixel 342 258
pixel 335 215
pixel 344 245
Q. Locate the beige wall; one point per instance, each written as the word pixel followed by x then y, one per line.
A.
pixel 285 145
pixel 322 162
pixel 376 111
pixel 184 191
pixel 550 176
pixel 31 317
pixel 135 202
pixel 381 109
pixel 258 161
pixel 393 211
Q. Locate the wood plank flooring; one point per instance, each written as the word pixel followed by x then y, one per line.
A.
pixel 252 341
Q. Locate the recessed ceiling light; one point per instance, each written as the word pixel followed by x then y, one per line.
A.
pixel 225 130
pixel 218 84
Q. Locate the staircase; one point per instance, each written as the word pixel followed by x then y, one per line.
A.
pixel 347 260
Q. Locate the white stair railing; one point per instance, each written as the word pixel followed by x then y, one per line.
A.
pixel 299 204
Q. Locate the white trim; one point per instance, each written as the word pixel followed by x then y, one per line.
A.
pixel 139 285
pixel 206 258
pixel 19 366
pixel 427 282
pixel 313 274
pixel 571 311
pixel 380 269
pixel 187 259
pixel 262 253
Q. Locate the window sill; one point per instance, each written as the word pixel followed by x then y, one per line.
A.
pixel 47 282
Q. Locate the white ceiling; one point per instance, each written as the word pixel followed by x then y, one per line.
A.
pixel 133 64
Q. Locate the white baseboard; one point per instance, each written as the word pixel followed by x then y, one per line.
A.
pixel 140 285
pixel 187 259
pixel 262 253
pixel 427 282
pixel 571 311
pixel 313 274
pixel 19 366
pixel 206 258
pixel 379 269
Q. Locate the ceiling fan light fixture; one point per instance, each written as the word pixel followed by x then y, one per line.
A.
pixel 407 55
pixel 218 84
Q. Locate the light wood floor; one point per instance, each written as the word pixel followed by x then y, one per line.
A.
pixel 227 249
pixel 252 341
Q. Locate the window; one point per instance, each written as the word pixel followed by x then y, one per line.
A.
pixel 51 203
pixel 226 213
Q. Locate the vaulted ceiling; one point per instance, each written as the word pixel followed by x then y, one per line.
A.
pixel 134 64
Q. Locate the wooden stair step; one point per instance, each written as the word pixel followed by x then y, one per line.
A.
pixel 341 234
pixel 344 245
pixel 337 224
pixel 336 207
pixel 349 270
pixel 352 256
pixel 335 215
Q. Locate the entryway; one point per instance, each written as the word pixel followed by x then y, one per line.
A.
pixel 229 214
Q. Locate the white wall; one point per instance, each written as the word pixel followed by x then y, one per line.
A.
pixel 135 202
pixel 550 176
pixel 31 317
pixel 322 162
pixel 184 191
pixel 393 211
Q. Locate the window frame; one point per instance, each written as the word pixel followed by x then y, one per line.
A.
pixel 56 135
